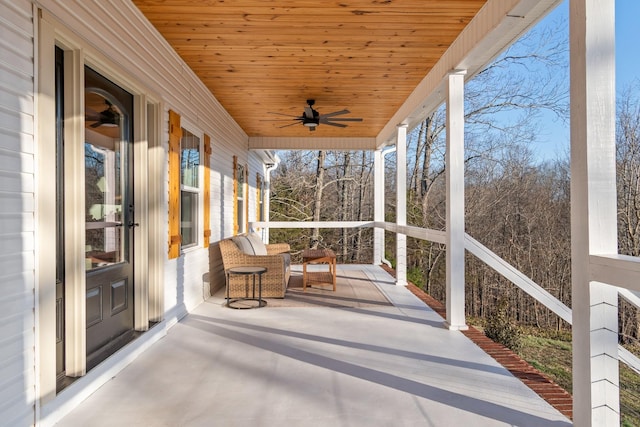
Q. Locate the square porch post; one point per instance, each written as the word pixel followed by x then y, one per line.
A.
pixel 593 211
pixel 401 205
pixel 378 209
pixel 454 169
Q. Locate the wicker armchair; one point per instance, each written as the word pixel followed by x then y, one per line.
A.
pixel 277 262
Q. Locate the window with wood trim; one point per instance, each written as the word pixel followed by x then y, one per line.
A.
pixel 240 197
pixel 189 193
pixel 189 188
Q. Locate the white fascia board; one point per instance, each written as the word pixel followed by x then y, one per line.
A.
pixel 311 143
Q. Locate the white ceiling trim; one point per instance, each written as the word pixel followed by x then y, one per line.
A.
pixel 311 143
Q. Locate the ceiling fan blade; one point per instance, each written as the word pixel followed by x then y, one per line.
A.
pixel 344 119
pixel 335 113
pixel 338 125
pixel 286 126
pixel 286 115
pixel 96 125
pixel 311 118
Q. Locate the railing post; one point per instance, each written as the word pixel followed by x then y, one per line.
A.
pixel 455 202
pixel 267 196
pixel 378 208
pixel 596 396
pixel 401 204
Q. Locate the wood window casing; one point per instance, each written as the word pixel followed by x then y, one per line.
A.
pixel 240 197
pixel 175 134
pixel 206 163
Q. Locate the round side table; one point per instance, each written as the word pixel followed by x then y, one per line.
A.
pixel 246 271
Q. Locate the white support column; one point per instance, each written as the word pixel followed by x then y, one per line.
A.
pixel 455 202
pixel 593 211
pixel 267 197
pixel 378 206
pixel 401 204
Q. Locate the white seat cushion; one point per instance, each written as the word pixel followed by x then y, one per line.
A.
pixel 258 245
pixel 243 243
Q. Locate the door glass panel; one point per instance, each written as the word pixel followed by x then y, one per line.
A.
pixel 104 159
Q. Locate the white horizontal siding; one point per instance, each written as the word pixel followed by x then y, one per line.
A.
pixel 15 89
pixel 17 14
pixel 121 34
pixel 21 222
pixel 216 201
pixel 16 121
pixel 222 187
pixel 16 182
pixel 17 241
pixel 255 167
pixel 16 204
pixel 126 47
pixel 16 161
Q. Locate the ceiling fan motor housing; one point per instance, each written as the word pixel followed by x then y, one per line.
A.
pixel 311 118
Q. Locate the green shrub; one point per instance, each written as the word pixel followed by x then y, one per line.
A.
pixel 501 329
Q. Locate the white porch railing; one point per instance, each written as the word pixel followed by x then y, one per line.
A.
pixel 484 254
pixel 518 278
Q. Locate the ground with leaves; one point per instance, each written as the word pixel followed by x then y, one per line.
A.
pixel 550 353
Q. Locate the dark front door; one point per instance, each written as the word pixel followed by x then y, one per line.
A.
pixel 109 216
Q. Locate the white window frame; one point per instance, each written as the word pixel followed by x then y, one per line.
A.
pixel 198 191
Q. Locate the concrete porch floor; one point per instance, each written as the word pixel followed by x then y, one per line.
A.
pixel 314 366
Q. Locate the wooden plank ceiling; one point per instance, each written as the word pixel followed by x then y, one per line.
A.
pixel 262 56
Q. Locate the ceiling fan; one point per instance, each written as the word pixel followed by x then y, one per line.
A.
pixel 312 119
pixel 108 117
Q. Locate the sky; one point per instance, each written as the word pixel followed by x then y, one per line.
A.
pixel 554 143
pixel 627 37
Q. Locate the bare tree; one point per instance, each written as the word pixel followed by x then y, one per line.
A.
pixel 628 182
pixel 514 205
pixel 628 172
pixel 325 186
pixel 504 186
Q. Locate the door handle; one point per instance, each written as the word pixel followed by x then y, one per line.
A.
pixel 132 224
